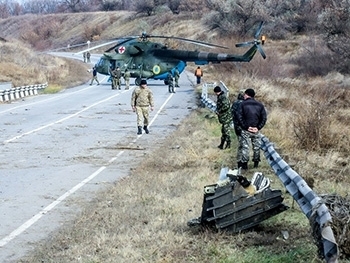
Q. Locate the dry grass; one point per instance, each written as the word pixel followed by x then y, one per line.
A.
pixel 143 217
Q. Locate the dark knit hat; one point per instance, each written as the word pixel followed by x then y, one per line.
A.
pixel 217 89
pixel 143 82
pixel 250 92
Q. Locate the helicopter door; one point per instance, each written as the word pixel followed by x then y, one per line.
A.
pixel 116 63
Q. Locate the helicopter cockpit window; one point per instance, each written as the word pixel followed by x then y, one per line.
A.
pixel 101 62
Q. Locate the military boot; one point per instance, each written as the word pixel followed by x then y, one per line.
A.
pixel 146 129
pixel 221 146
pixel 228 144
pixel 139 130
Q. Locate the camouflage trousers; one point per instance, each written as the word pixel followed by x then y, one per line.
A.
pixel 171 86
pixel 176 82
pixel 142 115
pixel 243 146
pixel 127 83
pixel 116 83
pixel 225 132
pixel 94 78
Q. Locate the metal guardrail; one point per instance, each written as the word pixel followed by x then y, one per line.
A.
pixel 205 99
pixel 16 93
pixel 309 202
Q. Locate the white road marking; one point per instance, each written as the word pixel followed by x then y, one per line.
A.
pixel 4 241
pixel 61 120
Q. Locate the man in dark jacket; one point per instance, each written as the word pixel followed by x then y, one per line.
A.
pixel 251 118
pixel 224 117
pixel 235 107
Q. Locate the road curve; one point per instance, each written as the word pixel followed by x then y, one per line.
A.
pixel 59 149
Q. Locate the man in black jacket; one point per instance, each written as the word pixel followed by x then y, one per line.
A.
pixel 252 118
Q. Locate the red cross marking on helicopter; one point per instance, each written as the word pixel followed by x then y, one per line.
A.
pixel 121 50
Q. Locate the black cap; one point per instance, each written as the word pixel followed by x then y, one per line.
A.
pixel 250 92
pixel 217 89
pixel 143 82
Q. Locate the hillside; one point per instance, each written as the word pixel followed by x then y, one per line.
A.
pixel 308 117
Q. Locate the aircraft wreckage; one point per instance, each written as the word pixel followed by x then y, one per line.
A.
pixel 235 203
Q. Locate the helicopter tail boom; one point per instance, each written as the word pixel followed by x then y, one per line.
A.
pixel 205 57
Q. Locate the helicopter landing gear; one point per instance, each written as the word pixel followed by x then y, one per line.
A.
pixel 138 81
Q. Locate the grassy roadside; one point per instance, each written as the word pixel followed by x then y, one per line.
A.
pixel 143 217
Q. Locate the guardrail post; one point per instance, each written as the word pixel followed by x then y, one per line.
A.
pixel 6 95
pixel 30 90
pixel 26 91
pixel 21 91
pixel 16 93
pixel 35 89
pixel 1 95
pixel 12 94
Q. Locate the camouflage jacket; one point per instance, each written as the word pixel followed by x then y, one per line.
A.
pixel 223 109
pixel 117 73
pixel 127 75
pixel 142 97
pixel 169 77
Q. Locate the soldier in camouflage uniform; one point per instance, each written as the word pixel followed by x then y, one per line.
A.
pixel 252 118
pixel 224 117
pixel 141 102
pixel 127 78
pixel 170 81
pixel 116 74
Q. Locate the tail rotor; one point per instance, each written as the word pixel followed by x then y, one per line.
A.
pixel 256 42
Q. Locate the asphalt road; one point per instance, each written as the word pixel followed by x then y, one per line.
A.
pixel 59 149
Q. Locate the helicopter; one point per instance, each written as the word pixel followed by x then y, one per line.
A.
pixel 145 59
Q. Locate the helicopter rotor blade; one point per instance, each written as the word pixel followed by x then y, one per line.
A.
pixel 261 51
pixel 244 44
pixel 197 42
pixel 258 32
pixel 256 42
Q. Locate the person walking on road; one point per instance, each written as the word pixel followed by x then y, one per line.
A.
pixel 199 74
pixel 251 118
pixel 88 55
pixel 141 101
pixel 170 81
pixel 224 117
pixel 127 79
pixel 94 76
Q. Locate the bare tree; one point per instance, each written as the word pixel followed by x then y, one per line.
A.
pixel 40 6
pixel 335 22
pixel 71 5
pixel 146 6
pixel 174 6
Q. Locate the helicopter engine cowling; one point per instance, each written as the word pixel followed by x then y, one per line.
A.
pixel 134 50
pixel 147 74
